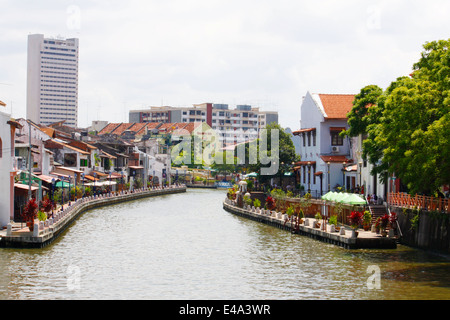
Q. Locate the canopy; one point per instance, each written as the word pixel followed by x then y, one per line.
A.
pixel 63 184
pixel 354 199
pixel 346 198
pixel 253 174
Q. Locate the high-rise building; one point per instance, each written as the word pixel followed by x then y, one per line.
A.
pixel 52 80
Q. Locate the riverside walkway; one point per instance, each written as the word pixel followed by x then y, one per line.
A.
pixel 364 240
pixel 46 232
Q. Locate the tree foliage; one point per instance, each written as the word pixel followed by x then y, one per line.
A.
pixel 407 125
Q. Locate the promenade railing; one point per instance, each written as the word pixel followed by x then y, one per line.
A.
pixel 420 202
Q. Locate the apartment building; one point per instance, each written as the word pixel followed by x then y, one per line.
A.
pixel 234 126
pixel 52 80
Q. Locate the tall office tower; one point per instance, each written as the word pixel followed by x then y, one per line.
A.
pixel 52 80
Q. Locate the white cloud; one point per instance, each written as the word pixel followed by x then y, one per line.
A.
pixel 268 53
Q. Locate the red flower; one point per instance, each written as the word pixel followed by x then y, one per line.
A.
pixel 355 218
pixel 30 210
pixel 270 202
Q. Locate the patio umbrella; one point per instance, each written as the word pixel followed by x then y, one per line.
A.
pixel 355 199
pixel 253 174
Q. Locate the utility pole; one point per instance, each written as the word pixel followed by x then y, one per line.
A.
pixel 29 160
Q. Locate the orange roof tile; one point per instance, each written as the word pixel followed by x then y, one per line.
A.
pixel 109 128
pixel 336 158
pixel 121 128
pixel 337 106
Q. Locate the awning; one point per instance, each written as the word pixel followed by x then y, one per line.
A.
pixel 45 178
pixel 24 187
pixel 338 129
pixel 91 178
pixel 306 163
pixel 295 133
pixel 334 159
pixel 63 184
pixel 135 167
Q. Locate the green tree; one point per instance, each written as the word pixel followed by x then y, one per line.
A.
pixel 408 130
pixel 286 154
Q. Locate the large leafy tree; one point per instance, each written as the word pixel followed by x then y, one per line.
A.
pixel 408 129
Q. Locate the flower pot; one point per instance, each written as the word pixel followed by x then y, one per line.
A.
pixel 366 227
pixel 383 233
pixel 354 233
pixel 30 225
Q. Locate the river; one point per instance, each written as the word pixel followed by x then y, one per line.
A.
pixel 185 246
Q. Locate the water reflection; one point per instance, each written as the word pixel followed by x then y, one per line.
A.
pixel 186 246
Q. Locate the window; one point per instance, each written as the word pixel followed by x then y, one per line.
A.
pixel 83 163
pixel 314 138
pixel 336 139
pixel 1 148
pixel 309 139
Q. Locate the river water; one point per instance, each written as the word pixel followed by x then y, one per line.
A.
pixel 185 246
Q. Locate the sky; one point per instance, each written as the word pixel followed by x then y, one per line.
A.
pixel 136 54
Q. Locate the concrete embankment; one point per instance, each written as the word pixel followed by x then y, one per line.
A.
pixel 364 240
pixel 46 232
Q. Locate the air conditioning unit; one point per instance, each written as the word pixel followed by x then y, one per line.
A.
pixel 334 149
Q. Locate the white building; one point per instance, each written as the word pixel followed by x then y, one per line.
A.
pixel 52 80
pixel 324 153
pixel 7 166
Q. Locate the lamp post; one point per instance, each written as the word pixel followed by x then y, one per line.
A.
pixel 53 194
pixel 343 175
pixel 281 177
pixel 329 184
pixel 82 181
pixel 309 177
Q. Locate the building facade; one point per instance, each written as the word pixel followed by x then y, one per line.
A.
pixel 7 164
pixel 325 154
pixel 52 80
pixel 234 126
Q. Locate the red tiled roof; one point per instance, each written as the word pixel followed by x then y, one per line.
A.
pixel 109 128
pixel 121 128
pixel 337 106
pixel 340 159
pixel 296 133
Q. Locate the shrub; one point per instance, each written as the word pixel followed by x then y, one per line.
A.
pixel 257 203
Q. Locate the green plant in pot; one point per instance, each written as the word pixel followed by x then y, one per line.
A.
pixel 367 219
pixel 318 217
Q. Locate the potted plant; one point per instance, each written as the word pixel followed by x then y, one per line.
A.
pixel 383 225
pixel 355 219
pixel 289 213
pixel 367 219
pixel 270 203
pixel 29 213
pixel 378 225
pixel 318 217
pixel 257 203
pixel 333 220
pixel 248 200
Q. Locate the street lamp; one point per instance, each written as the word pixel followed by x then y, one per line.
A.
pixel 343 175
pixel 309 177
pixel 82 181
pixel 329 185
pixel 53 194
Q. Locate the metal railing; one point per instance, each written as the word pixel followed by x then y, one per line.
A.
pixel 420 202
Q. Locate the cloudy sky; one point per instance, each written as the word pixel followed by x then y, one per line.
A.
pixel 267 53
